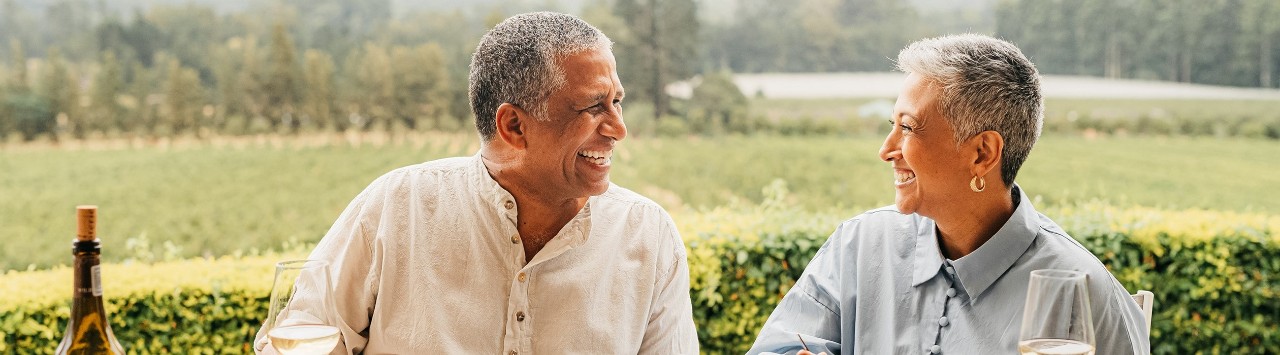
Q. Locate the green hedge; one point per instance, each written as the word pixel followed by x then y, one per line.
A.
pixel 1214 276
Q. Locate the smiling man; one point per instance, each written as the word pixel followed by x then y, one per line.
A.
pixel 525 247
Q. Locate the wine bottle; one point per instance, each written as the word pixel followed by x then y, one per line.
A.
pixel 88 331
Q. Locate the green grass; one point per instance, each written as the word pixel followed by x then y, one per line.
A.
pixel 207 200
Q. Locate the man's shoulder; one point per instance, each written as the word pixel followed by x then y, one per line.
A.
pixel 618 195
pixel 436 167
pixel 417 180
pixel 439 165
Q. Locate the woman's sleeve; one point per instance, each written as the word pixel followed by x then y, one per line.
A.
pixel 810 309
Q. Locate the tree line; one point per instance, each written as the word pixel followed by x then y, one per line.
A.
pixel 82 68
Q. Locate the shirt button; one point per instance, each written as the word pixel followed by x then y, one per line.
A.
pixel 951 270
pixel 519 316
pixel 943 321
pixel 515 239
pixel 951 292
pixel 935 349
pixel 522 277
pixel 509 205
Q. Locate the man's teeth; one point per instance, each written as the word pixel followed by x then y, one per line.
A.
pixel 902 177
pixel 597 156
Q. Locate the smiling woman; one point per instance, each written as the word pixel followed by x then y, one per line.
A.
pixel 948 260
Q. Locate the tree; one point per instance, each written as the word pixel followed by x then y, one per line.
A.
pixel 719 103
pixel 144 100
pixel 18 81
pixel 317 103
pixel 188 34
pixel 1260 37
pixel 661 47
pixel 420 93
pixel 182 100
pixel 281 86
pixel 69 24
pixel 104 97
pixel 373 83
pixel 29 113
pixel 60 90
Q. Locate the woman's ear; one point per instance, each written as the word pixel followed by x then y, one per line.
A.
pixel 989 146
pixel 510 120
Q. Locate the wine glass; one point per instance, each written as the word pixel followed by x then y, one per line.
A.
pixel 1057 319
pixel 300 319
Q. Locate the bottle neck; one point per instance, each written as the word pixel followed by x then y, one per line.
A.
pixel 88 330
pixel 88 278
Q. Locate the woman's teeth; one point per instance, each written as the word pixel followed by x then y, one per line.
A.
pixel 903 177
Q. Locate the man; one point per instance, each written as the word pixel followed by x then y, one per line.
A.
pixel 526 247
pixel 946 269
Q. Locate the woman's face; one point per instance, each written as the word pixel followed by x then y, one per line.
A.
pixel 929 170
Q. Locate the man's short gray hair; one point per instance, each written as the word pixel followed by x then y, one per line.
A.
pixel 987 85
pixel 517 62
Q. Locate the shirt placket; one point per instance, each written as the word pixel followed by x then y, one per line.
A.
pixel 937 321
pixel 518 334
pixel 519 313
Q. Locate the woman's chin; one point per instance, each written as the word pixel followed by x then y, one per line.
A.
pixel 906 205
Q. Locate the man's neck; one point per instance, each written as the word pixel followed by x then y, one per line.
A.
pixel 540 216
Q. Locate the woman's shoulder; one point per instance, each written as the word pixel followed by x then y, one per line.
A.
pixel 883 217
pixel 873 225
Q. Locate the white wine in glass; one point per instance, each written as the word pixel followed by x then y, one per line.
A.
pixel 1057 319
pixel 304 339
pixel 1054 347
pixel 300 320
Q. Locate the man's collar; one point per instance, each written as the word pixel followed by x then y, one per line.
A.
pixel 978 270
pixel 503 202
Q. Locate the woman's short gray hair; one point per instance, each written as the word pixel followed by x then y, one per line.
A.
pixel 517 62
pixel 987 85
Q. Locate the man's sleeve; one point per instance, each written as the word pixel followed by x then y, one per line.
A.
pixel 348 249
pixel 671 329
pixel 810 309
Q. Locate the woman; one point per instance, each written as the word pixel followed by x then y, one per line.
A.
pixel 946 268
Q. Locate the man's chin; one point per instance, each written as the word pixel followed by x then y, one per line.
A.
pixel 598 189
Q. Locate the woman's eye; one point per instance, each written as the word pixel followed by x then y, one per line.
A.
pixel 904 127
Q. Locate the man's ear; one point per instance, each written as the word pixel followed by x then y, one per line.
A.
pixel 510 121
pixel 989 146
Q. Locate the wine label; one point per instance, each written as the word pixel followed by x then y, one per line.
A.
pixel 96 270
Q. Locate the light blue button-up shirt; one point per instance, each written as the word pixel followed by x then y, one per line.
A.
pixel 880 285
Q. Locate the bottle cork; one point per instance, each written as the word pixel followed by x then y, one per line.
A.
pixel 87 223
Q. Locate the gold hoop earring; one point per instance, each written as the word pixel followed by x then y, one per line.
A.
pixel 977 184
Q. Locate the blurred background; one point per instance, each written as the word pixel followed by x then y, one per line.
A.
pixel 209 130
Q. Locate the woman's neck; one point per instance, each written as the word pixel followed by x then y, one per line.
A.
pixel 971 225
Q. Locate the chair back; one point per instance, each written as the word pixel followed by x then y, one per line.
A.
pixel 1146 300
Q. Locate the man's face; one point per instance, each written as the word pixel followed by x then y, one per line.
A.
pixel 569 152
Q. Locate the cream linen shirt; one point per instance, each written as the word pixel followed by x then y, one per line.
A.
pixel 428 260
